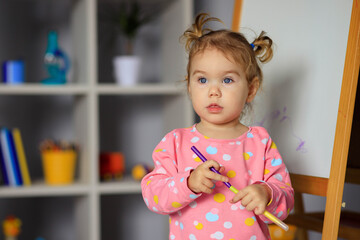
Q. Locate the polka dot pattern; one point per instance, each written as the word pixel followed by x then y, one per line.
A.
pixel 248 159
pixel 250 221
pixel 231 174
pixel 219 197
pixel 176 204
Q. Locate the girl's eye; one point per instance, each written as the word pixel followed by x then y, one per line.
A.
pixel 228 80
pixel 202 80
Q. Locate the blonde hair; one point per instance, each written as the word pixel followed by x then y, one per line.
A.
pixel 233 44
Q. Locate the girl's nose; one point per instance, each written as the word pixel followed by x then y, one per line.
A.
pixel 214 91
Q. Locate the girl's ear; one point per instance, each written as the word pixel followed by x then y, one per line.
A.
pixel 253 88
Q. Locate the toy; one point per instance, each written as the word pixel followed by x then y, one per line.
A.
pixel 139 171
pixel 56 61
pixel 13 71
pixel 234 190
pixel 112 165
pixel 11 227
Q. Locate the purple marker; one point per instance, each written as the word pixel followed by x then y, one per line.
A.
pixel 198 153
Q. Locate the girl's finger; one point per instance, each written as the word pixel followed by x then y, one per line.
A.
pixel 241 194
pixel 208 183
pixel 206 189
pixel 213 175
pixel 212 163
pixel 246 200
pixel 259 210
pixel 250 206
pixel 217 177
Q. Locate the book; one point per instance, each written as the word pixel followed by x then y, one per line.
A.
pixel 11 164
pixel 3 174
pixel 19 149
pixel 16 160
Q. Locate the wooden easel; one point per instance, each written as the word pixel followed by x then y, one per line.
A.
pixel 343 127
pixel 332 187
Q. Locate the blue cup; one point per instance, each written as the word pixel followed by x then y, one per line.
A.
pixel 13 71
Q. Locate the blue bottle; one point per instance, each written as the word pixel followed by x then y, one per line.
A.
pixel 56 61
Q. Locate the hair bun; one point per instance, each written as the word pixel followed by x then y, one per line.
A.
pixel 263 47
pixel 197 29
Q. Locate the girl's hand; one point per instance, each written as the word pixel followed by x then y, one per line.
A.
pixel 254 198
pixel 200 179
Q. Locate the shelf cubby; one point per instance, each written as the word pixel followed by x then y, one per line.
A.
pixel 92 110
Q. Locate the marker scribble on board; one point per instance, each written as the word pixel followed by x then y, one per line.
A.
pixel 281 117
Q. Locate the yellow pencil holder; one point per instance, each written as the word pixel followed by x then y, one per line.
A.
pixel 59 166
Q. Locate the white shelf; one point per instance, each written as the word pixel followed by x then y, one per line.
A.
pixel 141 89
pixel 101 89
pixel 40 89
pixel 43 190
pixel 124 186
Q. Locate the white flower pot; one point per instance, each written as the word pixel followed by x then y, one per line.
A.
pixel 127 70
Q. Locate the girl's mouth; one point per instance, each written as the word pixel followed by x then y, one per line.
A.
pixel 214 108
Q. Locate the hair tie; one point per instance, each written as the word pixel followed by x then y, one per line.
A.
pixel 252 45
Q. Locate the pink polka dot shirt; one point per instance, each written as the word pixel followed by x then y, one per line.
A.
pixel 249 159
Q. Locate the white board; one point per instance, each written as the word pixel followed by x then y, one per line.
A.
pixel 301 89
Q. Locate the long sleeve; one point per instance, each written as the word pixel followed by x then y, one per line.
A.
pixel 165 189
pixel 277 177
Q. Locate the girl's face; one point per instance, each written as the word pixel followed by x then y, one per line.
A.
pixel 218 88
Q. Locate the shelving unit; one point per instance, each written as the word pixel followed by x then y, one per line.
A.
pixel 92 110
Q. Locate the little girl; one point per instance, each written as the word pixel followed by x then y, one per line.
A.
pixel 223 77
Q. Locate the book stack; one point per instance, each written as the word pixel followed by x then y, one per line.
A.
pixel 13 165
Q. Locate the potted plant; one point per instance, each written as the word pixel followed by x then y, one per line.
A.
pixel 126 18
